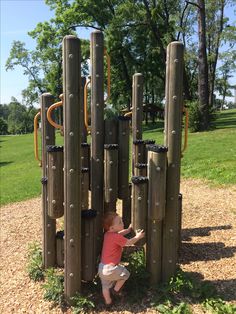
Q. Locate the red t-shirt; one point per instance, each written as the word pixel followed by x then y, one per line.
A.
pixel 112 247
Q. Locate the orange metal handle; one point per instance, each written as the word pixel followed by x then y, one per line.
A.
pixel 108 74
pixel 128 114
pixel 186 130
pixel 49 112
pixel 36 152
pixel 86 103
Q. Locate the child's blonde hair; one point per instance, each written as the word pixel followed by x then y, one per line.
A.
pixel 108 219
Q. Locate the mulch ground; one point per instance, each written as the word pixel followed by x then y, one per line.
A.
pixel 208 248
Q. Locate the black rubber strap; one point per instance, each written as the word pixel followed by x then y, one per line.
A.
pixel 139 179
pixel 54 148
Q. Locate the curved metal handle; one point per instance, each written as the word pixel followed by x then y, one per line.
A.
pixel 128 114
pixel 36 152
pixel 49 111
pixel 108 74
pixel 186 130
pixel 86 103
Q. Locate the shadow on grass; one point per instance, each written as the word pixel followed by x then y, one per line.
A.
pixel 225 124
pixel 5 163
pixel 225 120
pixel 151 127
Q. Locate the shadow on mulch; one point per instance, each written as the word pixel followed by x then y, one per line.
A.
pixel 187 234
pixel 225 288
pixel 191 252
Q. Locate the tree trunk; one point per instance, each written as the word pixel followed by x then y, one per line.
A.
pixel 212 72
pixel 203 90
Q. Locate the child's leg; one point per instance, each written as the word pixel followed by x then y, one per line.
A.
pixel 123 276
pixel 119 284
pixel 106 295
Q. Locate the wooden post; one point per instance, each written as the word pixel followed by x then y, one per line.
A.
pixel 110 176
pixel 137 105
pixel 140 170
pixel 146 144
pixel 55 181
pixel 174 122
pixel 72 163
pixel 49 224
pixel 84 130
pixel 84 188
pixel 126 208
pixel 156 209
pixel 111 127
pixel 167 94
pixel 139 204
pixel 88 254
pixel 138 153
pixel 123 157
pixel 97 133
pixel 180 221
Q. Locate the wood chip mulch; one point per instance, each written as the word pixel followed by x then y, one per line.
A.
pixel 208 248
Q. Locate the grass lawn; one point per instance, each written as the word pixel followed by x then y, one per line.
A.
pixel 210 155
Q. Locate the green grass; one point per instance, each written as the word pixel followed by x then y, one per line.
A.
pixel 210 156
pixel 20 173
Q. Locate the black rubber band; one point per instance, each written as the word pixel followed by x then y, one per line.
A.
pixel 157 148
pixel 44 180
pixel 123 118
pixel 60 234
pixel 85 144
pixel 54 148
pixel 149 142
pixel 88 213
pixel 140 166
pixel 84 170
pixel 139 180
pixel 111 146
pixel 136 142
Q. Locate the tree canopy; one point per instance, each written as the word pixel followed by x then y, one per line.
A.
pixel 136 36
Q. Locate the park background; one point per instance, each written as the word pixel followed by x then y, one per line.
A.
pixel 209 161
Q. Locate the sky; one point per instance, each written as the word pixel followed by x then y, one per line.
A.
pixel 18 17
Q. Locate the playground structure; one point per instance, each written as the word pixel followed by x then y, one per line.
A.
pixel 151 202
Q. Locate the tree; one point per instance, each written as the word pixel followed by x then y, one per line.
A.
pixel 3 126
pixel 224 73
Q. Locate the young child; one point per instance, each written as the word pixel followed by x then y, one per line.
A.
pixel 113 275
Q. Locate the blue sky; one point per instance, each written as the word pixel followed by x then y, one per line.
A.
pixel 17 18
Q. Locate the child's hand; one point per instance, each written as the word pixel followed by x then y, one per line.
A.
pixel 140 234
pixel 130 228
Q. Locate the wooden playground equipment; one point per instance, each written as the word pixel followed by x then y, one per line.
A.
pixel 151 202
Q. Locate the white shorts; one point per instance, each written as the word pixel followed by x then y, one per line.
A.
pixel 109 274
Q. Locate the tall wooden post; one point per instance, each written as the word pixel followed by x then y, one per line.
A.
pixel 55 181
pixel 49 224
pixel 156 209
pixel 97 123
pixel 139 204
pixel 137 105
pixel 111 126
pixel 110 176
pixel 175 108
pixel 72 163
pixel 123 157
pixel 167 94
pixel 137 118
pixel 84 130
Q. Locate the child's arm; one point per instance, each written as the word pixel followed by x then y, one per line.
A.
pixel 126 231
pixel 139 235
